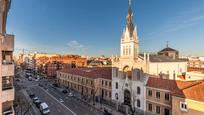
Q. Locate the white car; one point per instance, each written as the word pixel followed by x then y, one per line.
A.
pixel 61 100
pixel 70 94
pixel 44 108
pixel 37 79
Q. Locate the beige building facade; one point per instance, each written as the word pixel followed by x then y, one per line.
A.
pixel 88 82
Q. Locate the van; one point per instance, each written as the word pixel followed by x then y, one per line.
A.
pixel 44 109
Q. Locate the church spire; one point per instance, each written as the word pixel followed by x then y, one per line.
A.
pixel 129 22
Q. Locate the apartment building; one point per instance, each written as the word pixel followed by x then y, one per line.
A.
pixel 158 96
pixel 49 65
pixel 87 81
pixel 170 97
pixel 6 62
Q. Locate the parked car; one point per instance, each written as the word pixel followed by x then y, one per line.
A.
pixel 35 99
pixel 40 84
pixel 17 79
pixel 32 95
pixel 61 100
pixel 44 108
pixel 30 78
pixel 37 79
pixel 64 91
pixel 38 102
pixel 70 94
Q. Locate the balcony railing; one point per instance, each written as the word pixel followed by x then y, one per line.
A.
pixel 6 62
pixel 8 43
pixel 7 69
pixel 8 111
pixel 8 95
pixel 7 86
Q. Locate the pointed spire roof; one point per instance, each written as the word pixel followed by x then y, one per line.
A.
pixel 129 23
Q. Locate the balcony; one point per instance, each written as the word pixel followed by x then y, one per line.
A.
pixel 8 108
pixel 7 69
pixel 8 94
pixel 8 42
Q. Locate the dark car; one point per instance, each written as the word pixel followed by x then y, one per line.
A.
pixel 32 95
pixel 38 102
pixel 17 79
pixel 64 91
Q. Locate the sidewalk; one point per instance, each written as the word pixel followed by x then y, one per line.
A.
pixel 99 106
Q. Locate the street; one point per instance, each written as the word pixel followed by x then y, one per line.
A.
pixel 59 103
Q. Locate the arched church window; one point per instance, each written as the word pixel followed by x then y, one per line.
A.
pixel 126 50
pixel 116 96
pixel 123 50
pixel 138 103
pixel 138 90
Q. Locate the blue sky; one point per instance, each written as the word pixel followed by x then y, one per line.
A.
pixel 94 27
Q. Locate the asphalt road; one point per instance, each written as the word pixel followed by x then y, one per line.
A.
pixel 52 97
pixel 56 107
pixel 76 106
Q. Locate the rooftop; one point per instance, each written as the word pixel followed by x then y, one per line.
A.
pixel 161 58
pixel 168 49
pixel 93 73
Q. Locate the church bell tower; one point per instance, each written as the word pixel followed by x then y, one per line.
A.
pixel 129 46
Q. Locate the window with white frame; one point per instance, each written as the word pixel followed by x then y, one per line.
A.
pixel 183 106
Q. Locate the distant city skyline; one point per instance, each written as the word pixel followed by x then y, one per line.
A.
pixel 94 27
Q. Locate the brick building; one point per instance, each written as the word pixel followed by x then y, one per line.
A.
pixel 49 65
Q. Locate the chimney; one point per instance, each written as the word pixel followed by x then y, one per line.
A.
pixel 160 75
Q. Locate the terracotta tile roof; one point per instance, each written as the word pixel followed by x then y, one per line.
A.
pixel 187 89
pixel 96 72
pixel 195 92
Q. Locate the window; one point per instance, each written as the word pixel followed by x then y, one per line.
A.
pixel 126 50
pixel 138 90
pixel 102 82
pixel 166 111
pixel 110 94
pixel 158 95
pixel 116 73
pixel 150 93
pixel 106 93
pixel 150 107
pixel 123 50
pixel 106 83
pixel 91 82
pixel 138 103
pixel 116 85
pixel 109 84
pixel 183 106
pixel 129 50
pixel 167 96
pixel 157 109
pixel 116 96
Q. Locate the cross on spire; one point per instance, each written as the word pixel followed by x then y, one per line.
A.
pixel 167 44
pixel 129 1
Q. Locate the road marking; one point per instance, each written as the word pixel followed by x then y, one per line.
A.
pixel 58 101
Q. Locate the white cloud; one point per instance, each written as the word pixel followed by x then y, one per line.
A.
pixel 75 45
pixel 194 19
